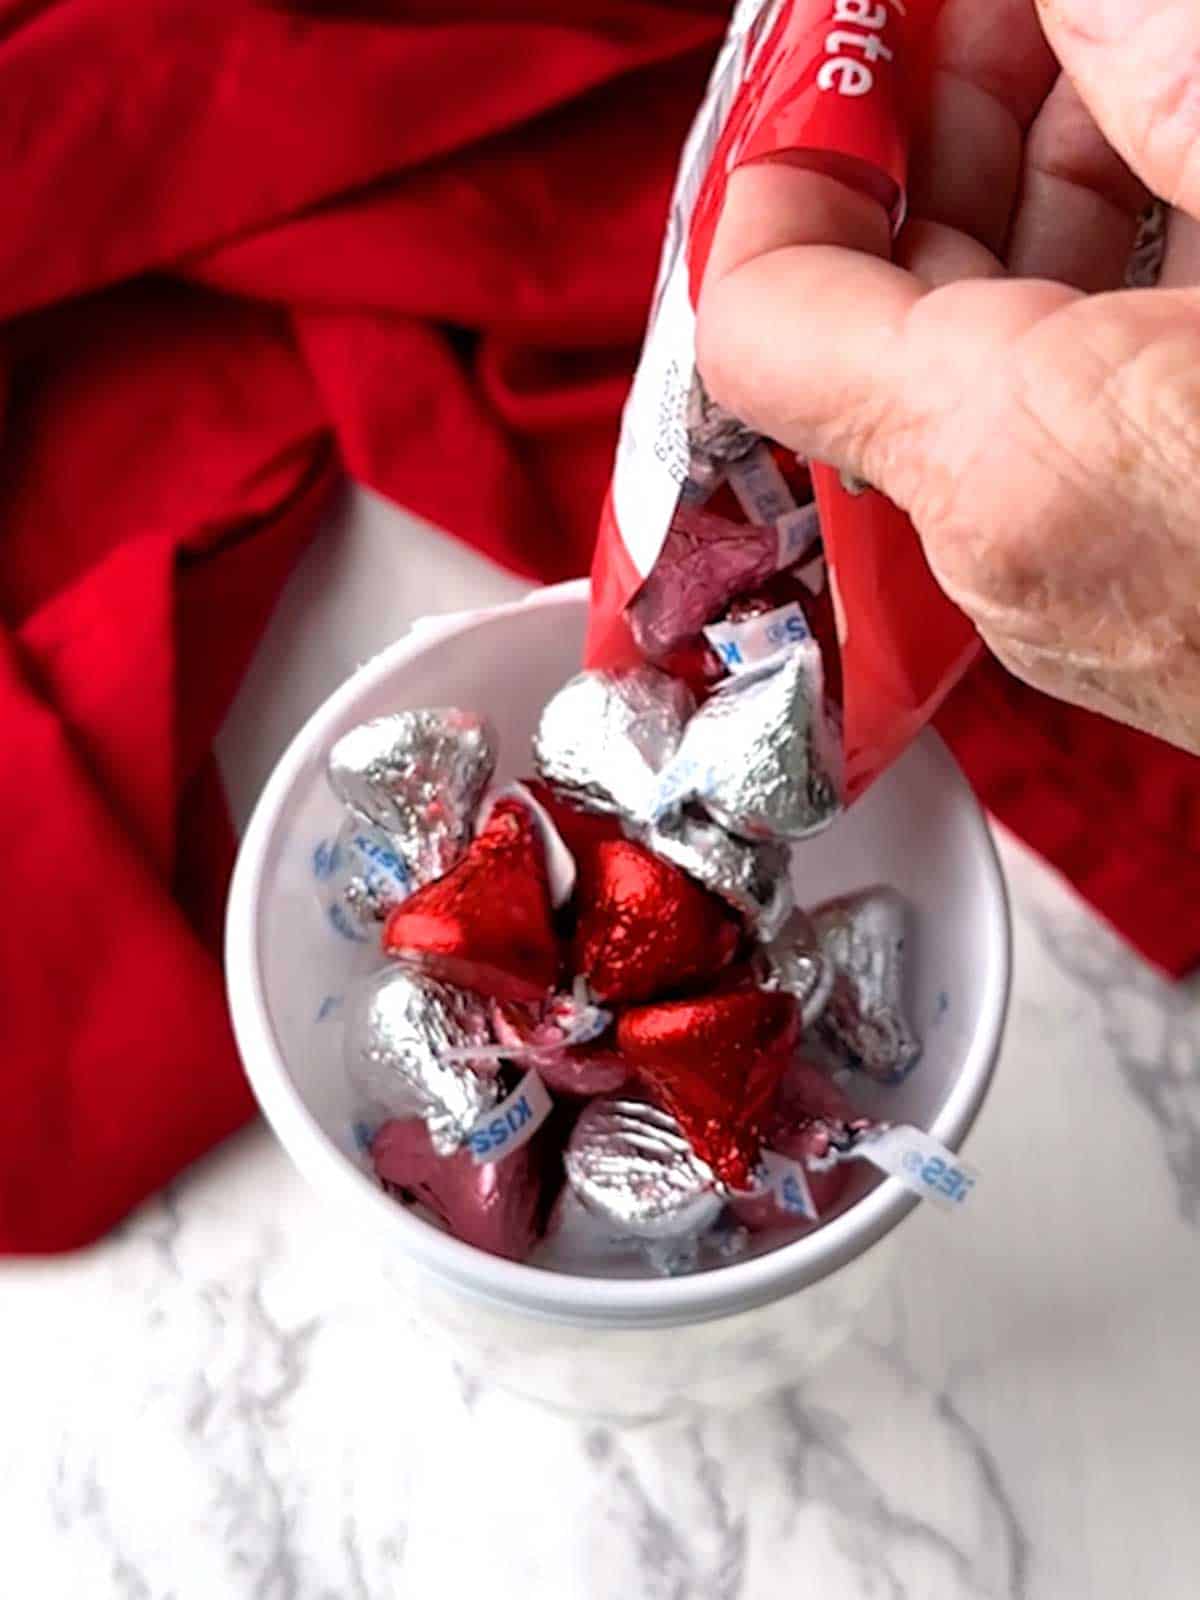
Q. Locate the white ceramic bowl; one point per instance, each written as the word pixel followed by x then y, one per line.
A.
pixel 572 1338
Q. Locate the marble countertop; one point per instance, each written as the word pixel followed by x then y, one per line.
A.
pixel 193 1409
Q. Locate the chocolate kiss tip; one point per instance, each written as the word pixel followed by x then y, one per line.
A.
pixel 487 925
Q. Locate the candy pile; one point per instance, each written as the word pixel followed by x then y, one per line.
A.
pixel 601 1014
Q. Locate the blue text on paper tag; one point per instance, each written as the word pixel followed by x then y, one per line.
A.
pixel 743 646
pixel 513 1122
pixel 760 487
pixel 378 862
pixel 798 532
pixel 325 859
pixel 921 1163
pixel 788 1182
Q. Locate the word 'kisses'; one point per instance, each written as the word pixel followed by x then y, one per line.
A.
pixel 846 74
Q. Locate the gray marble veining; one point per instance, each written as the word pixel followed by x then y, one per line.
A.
pixel 1152 1030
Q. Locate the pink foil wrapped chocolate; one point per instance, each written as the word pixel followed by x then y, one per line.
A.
pixel 559 1038
pixel 705 562
pixel 795 1182
pixel 494 1205
pixel 789 1192
pixel 807 1090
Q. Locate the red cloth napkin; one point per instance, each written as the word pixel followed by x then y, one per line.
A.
pixel 245 247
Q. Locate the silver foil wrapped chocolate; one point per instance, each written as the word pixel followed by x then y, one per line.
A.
pixel 753 878
pixel 796 963
pixel 400 1031
pixel 418 775
pixel 628 1164
pixel 606 736
pixel 862 936
pixel 760 755
pixel 361 876
pixel 715 436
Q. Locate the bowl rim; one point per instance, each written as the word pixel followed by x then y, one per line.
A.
pixel 563 1297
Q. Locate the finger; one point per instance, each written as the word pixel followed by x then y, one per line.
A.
pixel 772 205
pixel 796 306
pixel 841 355
pixel 1077 215
pixel 937 254
pixel 1135 65
pixel 784 212
pixel 992 71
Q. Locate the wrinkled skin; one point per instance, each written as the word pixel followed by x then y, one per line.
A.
pixel 1041 428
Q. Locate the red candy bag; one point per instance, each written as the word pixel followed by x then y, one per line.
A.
pixel 832 85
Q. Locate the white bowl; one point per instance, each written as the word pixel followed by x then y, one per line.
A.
pixel 572 1337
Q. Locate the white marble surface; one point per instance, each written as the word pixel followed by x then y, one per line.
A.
pixel 194 1409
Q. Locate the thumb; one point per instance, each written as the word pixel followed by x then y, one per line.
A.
pixel 1136 65
pixel 808 334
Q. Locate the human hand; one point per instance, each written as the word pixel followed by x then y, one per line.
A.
pixel 1041 429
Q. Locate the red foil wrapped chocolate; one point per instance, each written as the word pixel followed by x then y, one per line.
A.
pixel 645 928
pixel 715 1063
pixel 488 924
pixel 580 830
